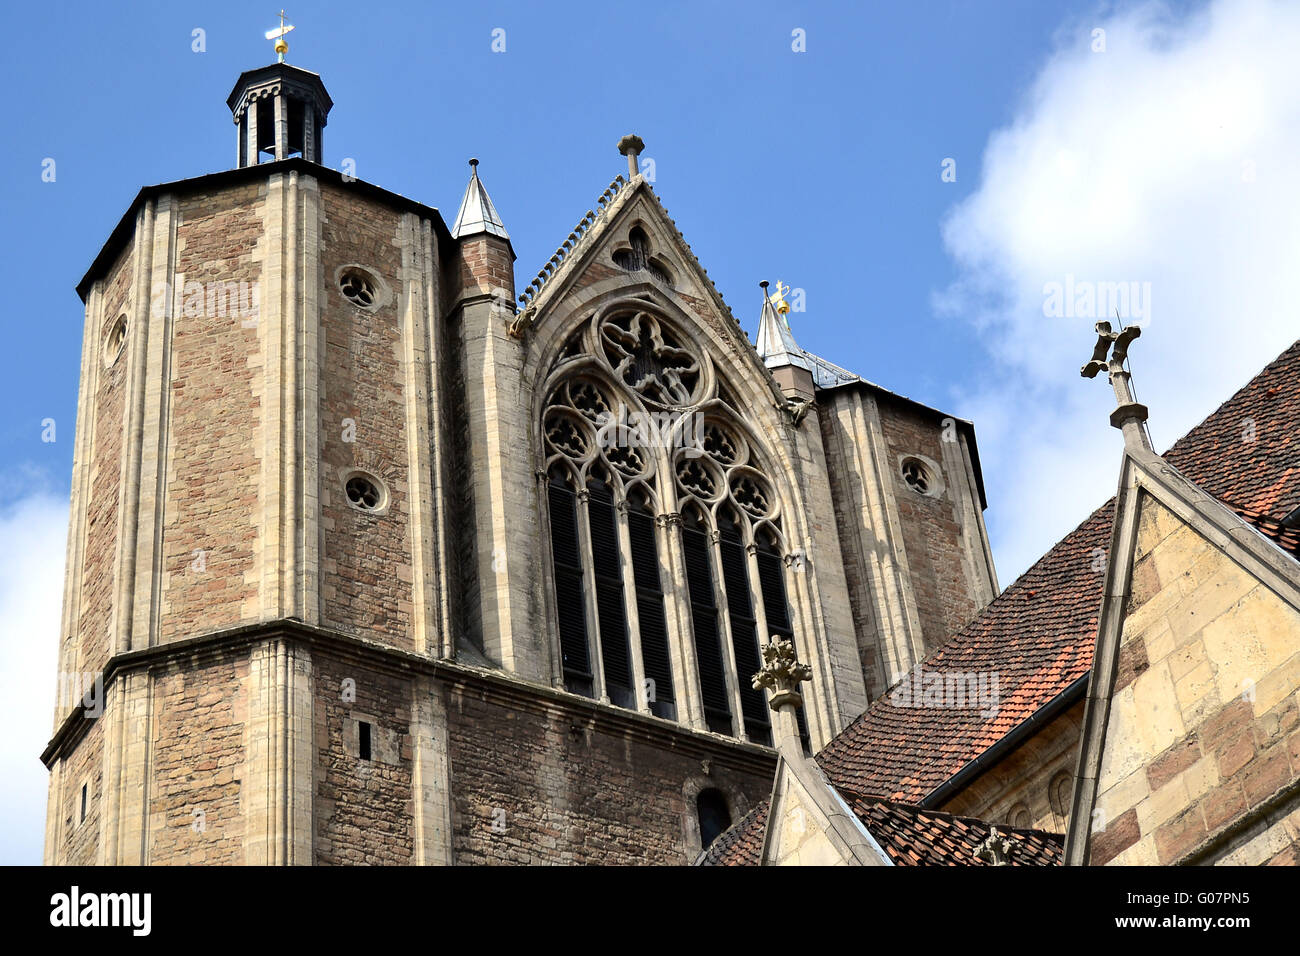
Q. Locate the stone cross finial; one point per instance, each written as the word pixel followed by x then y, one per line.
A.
pixel 1109 355
pixel 995 850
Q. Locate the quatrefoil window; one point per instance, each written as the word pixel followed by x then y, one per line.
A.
pixel 649 360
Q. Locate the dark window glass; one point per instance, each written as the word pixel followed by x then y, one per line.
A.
pixel 744 634
pixel 650 613
pixel 610 609
pixel 715 818
pixel 771 581
pixel 363 740
pixel 704 616
pixel 569 598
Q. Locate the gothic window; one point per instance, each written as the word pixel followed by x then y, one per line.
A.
pixel 917 476
pixel 715 819
pixel 637 258
pixel 649 475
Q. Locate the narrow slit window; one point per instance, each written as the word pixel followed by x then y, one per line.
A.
pixel 85 795
pixel 363 739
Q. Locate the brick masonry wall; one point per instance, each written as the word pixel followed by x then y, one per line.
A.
pixel 535 784
pixel 107 407
pixel 362 809
pixel 1204 724
pixel 197 761
pixel 366 558
pixel 85 766
pixel 931 533
pixel 211 533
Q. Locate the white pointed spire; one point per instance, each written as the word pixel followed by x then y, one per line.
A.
pixel 477 214
pixel 776 344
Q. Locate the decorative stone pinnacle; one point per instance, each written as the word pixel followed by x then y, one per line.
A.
pixel 996 849
pixel 781 672
pixel 1109 355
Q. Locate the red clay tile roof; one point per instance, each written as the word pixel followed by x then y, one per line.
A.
pixel 742 845
pixel 1286 538
pixel 1038 634
pixel 911 836
pixel 915 837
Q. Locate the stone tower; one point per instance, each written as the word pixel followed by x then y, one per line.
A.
pixel 327 511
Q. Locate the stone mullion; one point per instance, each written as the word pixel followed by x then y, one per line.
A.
pixel 724 635
pixel 309 133
pixel 681 628
pixel 250 111
pixel 587 556
pixel 632 612
pixel 547 564
pixel 281 126
pixel 761 633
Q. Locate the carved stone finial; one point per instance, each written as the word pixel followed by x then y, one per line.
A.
pixel 631 146
pixel 1109 355
pixel 1116 343
pixel 996 849
pixel 781 672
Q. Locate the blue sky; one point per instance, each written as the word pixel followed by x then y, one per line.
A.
pixel 1163 159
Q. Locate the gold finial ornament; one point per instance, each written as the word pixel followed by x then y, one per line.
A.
pixel 778 298
pixel 281 46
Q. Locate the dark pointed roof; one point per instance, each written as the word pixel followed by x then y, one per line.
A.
pixel 477 214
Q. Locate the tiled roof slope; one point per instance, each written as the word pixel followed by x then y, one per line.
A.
pixel 742 844
pixel 916 837
pixel 1038 634
pixel 1286 538
pixel 911 836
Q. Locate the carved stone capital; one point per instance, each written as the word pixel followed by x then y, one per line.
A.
pixel 715 536
pixel 670 520
pixel 584 495
pixel 751 549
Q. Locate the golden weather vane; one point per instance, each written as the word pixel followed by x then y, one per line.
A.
pixel 778 298
pixel 281 47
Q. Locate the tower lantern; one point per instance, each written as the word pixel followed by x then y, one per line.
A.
pixel 280 111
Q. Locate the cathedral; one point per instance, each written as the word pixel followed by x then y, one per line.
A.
pixel 377 556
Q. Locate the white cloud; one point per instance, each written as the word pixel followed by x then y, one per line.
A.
pixel 33 532
pixel 1168 159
